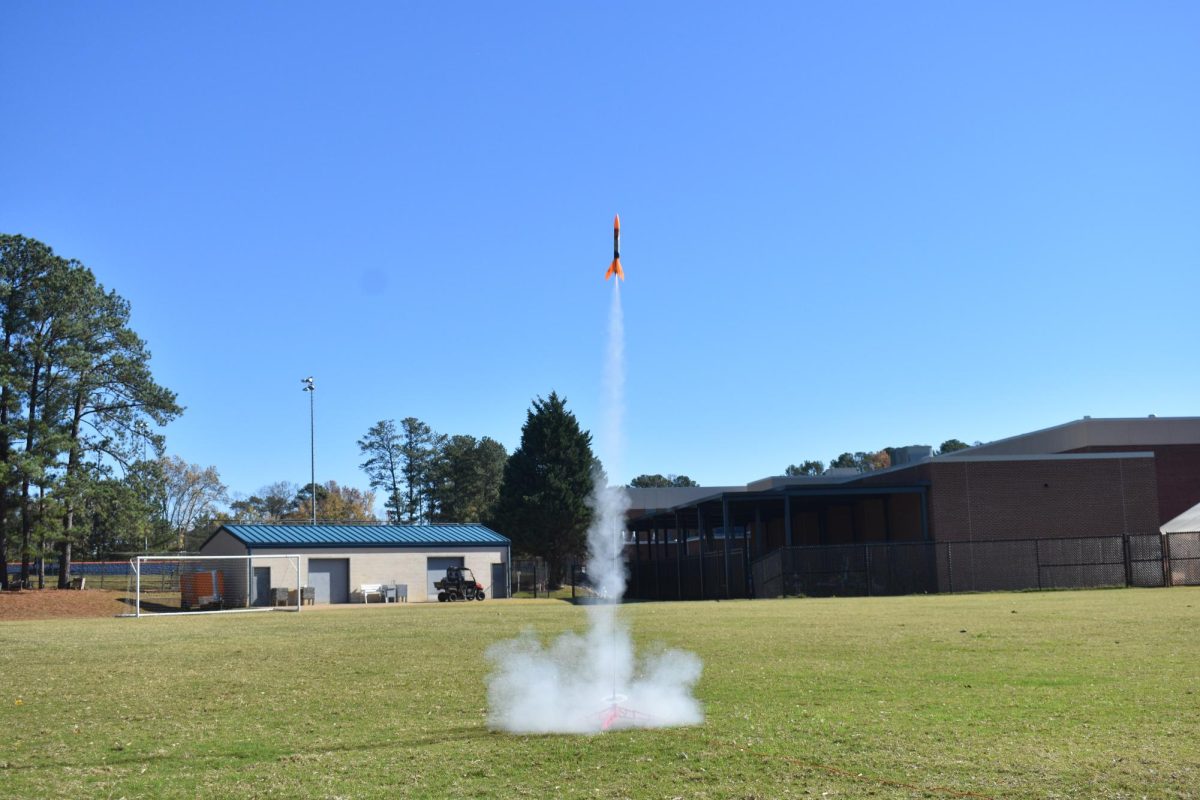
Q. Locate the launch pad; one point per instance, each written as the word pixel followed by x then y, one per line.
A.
pixel 618 715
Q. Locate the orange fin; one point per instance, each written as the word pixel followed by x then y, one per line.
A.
pixel 615 269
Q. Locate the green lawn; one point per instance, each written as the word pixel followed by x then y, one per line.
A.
pixel 1057 694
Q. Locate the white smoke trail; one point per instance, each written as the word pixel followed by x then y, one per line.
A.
pixel 579 683
pixel 609 503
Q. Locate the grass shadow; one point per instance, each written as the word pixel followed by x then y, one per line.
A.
pixel 151 607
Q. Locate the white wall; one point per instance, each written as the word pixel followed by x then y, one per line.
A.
pixel 384 565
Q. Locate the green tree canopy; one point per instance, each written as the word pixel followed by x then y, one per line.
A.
pixel 403 462
pixel 419 447
pixel 465 479
pixel 543 504
pixel 76 395
pixel 383 448
pixel 809 467
pixel 335 503
pixel 123 515
pixel 952 445
pixel 844 461
pixel 863 461
pixel 657 481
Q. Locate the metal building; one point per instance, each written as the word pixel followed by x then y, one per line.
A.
pixel 337 560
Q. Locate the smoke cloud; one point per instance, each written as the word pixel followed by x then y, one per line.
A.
pixel 590 682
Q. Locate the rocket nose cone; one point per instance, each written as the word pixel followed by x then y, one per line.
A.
pixel 617 222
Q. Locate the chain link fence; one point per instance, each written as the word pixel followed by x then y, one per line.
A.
pixel 529 577
pixel 1183 558
pixel 101 574
pixel 697 577
pixel 1004 565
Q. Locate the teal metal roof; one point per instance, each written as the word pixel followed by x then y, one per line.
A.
pixel 366 535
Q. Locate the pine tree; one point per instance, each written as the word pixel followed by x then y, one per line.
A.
pixel 384 466
pixel 76 395
pixel 543 505
pixel 466 479
pixel 419 448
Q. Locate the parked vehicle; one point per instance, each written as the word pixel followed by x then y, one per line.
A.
pixel 459 584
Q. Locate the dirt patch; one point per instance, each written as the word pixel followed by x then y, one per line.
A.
pixel 62 603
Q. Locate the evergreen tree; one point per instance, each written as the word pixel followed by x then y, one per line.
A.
pixel 384 449
pixel 112 402
pixel 76 400
pixel 543 504
pixel 117 516
pixel 23 265
pixel 467 474
pixel 419 447
pixel 657 481
pixel 844 461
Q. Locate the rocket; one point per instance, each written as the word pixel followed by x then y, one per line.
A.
pixel 615 266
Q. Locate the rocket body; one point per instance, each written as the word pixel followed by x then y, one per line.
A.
pixel 615 267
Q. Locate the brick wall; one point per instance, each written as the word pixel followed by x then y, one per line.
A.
pixel 1177 471
pixel 992 500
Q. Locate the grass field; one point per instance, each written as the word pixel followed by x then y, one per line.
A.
pixel 1057 694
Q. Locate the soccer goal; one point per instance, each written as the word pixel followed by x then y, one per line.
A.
pixel 213 584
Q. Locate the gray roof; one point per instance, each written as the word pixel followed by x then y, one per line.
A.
pixel 671 496
pixel 1089 432
pixel 468 535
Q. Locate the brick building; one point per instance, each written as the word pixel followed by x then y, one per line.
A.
pixel 1053 507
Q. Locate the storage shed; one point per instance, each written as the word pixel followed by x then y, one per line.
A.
pixel 337 560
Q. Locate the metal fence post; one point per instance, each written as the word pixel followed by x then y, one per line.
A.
pixel 680 545
pixel 637 563
pixel 949 568
pixel 867 554
pixel 1125 549
pixel 657 566
pixel 1168 578
pixel 1037 557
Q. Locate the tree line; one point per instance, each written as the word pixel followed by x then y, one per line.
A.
pixel 431 477
pixel 83 468
pixel 79 409
pixel 863 461
pixel 537 496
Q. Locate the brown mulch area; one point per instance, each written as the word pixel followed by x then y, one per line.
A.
pixel 61 604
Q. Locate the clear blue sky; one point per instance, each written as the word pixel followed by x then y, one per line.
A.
pixel 845 225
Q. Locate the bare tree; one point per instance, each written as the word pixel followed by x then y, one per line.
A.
pixel 191 494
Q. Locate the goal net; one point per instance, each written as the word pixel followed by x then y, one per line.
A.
pixel 213 584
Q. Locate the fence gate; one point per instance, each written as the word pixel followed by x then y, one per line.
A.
pixel 1146 562
pixel 528 576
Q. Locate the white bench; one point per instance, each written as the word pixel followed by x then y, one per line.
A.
pixel 369 589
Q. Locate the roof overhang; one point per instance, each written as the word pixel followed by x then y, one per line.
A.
pixel 778 494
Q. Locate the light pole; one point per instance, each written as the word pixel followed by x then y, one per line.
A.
pixel 311 388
